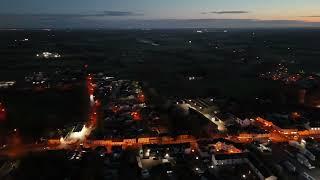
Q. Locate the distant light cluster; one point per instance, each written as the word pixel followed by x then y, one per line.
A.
pixel 7 84
pixel 280 72
pixel 48 55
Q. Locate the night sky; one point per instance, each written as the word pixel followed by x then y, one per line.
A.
pixel 139 13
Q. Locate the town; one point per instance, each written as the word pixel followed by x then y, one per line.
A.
pixel 166 137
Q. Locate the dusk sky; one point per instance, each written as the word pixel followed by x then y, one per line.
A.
pixel 16 12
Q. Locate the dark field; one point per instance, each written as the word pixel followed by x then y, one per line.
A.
pixel 130 54
pixel 227 64
pixel 35 112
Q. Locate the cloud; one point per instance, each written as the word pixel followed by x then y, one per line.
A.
pixel 226 12
pixel 54 16
pixel 313 16
pixel 119 13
